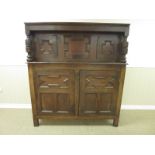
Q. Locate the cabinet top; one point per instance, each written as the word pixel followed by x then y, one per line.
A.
pixel 77 26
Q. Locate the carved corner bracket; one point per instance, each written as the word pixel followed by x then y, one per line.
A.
pixel 29 49
pixel 124 49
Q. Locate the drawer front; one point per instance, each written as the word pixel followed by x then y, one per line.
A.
pixel 55 92
pixel 98 91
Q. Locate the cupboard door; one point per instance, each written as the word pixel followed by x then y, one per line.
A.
pixel 77 46
pixel 98 91
pixel 107 47
pixel 46 46
pixel 56 92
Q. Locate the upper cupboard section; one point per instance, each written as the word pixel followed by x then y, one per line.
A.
pixel 77 46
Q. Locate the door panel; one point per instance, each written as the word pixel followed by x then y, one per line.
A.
pixel 98 91
pixel 107 47
pixel 46 47
pixel 56 91
pixel 77 47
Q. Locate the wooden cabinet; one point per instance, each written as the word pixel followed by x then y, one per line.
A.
pixel 76 70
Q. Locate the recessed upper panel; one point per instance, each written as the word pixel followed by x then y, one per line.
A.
pixel 45 47
pixel 90 47
pixel 107 48
pixel 76 46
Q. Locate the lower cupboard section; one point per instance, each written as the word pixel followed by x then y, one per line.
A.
pixel 76 94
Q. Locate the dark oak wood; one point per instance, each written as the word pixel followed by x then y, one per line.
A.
pixel 76 70
pixel 33 95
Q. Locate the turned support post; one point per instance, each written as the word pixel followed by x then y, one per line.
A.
pixel 29 48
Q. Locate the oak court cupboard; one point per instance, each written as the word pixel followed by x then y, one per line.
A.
pixel 76 70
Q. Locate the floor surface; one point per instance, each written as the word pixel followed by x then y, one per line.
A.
pixel 135 122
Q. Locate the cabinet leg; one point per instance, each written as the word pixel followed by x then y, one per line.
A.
pixel 35 121
pixel 115 122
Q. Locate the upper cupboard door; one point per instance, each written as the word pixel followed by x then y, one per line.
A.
pixel 77 46
pixel 46 46
pixel 107 47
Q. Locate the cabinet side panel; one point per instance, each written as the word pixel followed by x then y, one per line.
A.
pixel 120 89
pixel 33 93
pixel 119 96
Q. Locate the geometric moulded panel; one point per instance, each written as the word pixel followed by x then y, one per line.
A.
pixel 76 46
pixel 107 48
pixel 47 47
pixel 59 81
pixel 97 89
pixel 55 91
